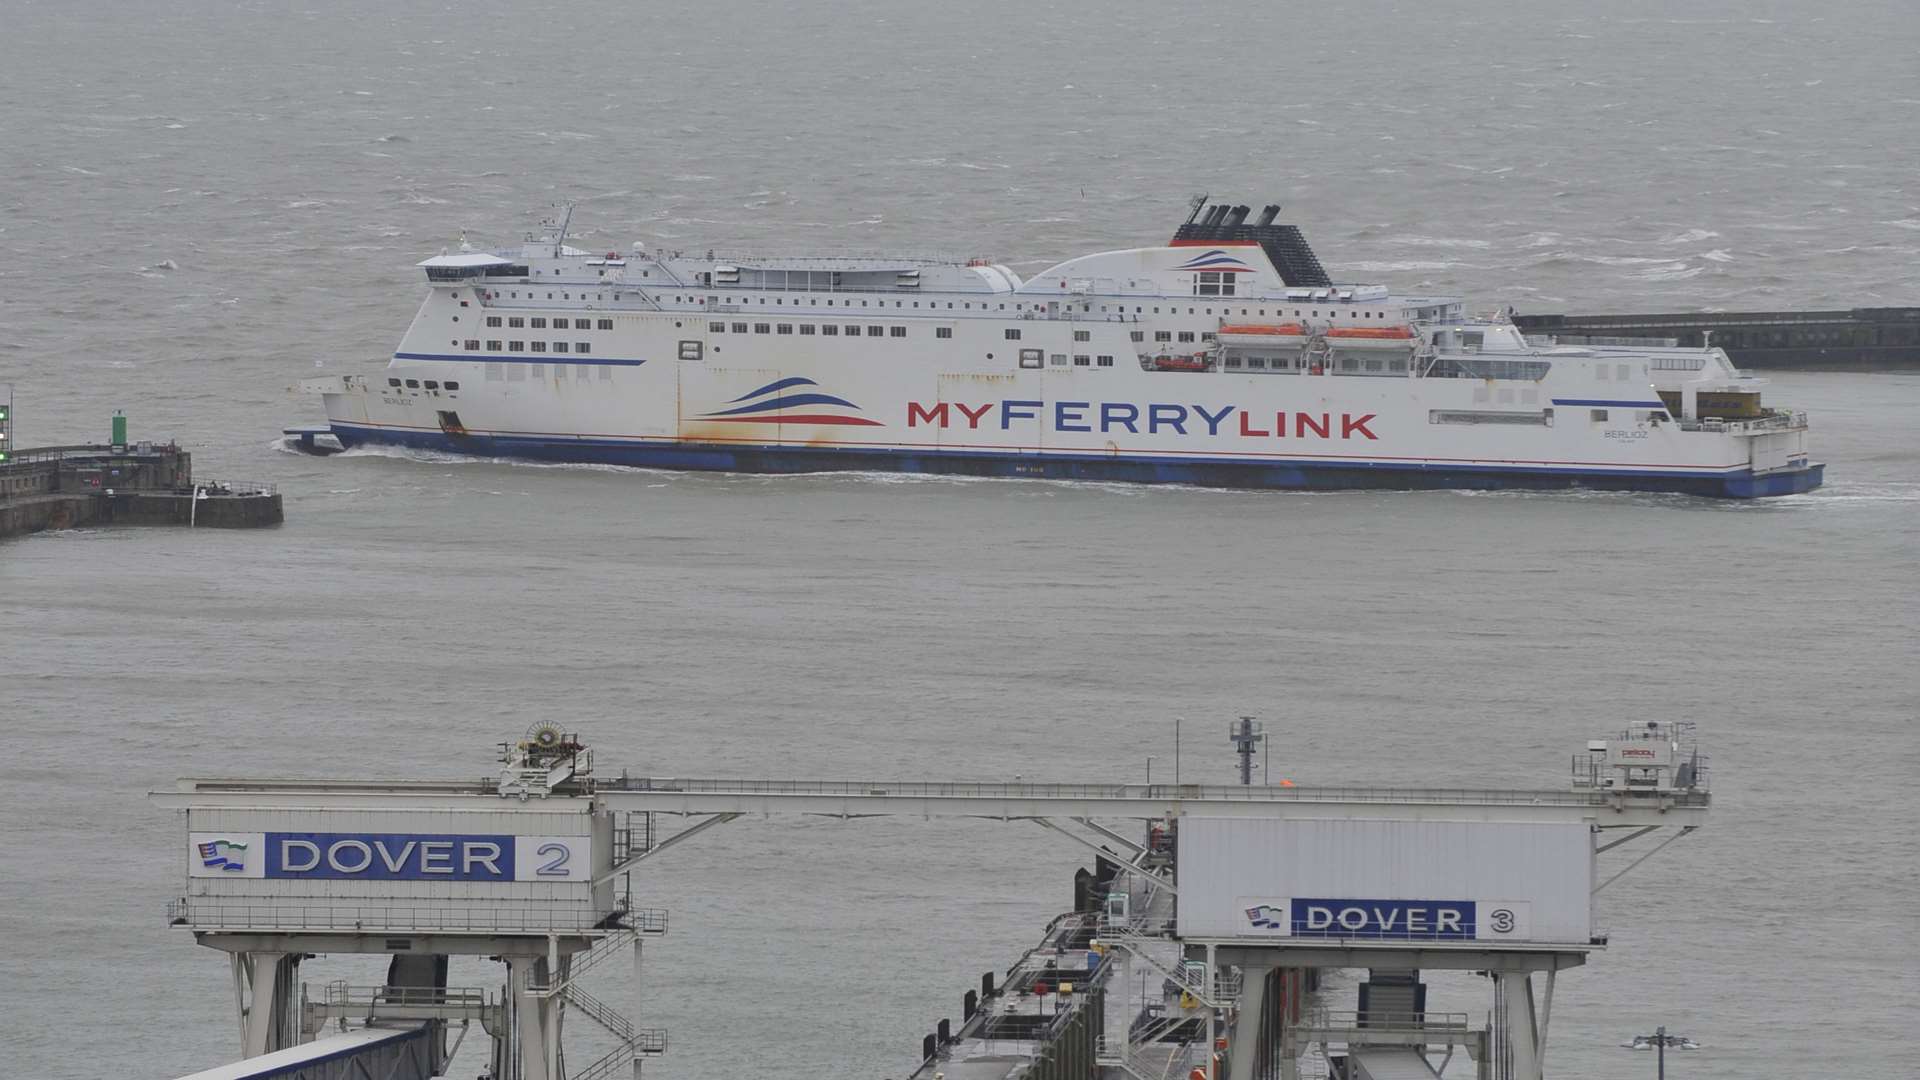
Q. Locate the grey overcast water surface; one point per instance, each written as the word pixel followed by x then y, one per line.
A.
pixel 201 203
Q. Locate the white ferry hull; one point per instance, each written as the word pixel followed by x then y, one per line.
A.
pixel 1271 431
pixel 1205 361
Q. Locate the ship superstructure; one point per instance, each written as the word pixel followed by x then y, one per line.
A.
pixel 1226 356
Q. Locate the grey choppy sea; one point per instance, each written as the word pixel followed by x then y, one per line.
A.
pixel 201 203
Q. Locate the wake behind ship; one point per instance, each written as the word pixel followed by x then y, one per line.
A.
pixel 1226 357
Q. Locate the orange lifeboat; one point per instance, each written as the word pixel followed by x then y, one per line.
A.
pixel 1371 333
pixel 1196 362
pixel 1264 330
pixel 1371 337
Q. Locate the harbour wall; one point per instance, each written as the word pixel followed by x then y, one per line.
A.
pixel 92 486
pixel 1858 339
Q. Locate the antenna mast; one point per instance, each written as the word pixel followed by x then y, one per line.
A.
pixel 560 238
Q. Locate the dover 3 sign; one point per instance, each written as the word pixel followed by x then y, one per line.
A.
pixel 1387 920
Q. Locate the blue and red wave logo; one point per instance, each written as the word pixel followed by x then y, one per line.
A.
pixel 771 404
pixel 1216 260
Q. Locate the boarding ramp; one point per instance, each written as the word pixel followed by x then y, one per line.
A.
pixel 1389 1063
pixel 382 1053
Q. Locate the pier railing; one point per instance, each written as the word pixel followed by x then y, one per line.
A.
pixel 213 915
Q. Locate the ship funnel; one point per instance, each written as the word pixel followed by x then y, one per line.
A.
pixel 1267 215
pixel 1214 215
pixel 1238 217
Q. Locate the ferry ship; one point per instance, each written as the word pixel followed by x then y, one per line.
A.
pixel 1225 357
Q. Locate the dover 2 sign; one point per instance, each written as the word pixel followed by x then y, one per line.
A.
pixel 286 856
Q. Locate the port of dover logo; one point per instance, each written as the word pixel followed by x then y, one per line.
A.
pixel 788 401
pixel 1267 917
pixel 229 856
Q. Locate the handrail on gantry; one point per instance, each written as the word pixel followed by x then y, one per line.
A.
pixel 1142 792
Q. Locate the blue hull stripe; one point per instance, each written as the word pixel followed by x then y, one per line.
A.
pixel 1312 475
pixel 544 358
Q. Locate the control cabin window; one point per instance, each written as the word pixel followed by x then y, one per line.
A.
pixel 1212 283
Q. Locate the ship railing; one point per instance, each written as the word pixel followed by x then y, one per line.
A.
pixel 1132 792
pixel 1779 421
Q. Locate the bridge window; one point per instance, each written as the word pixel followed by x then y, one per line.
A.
pixel 413 384
pixel 876 331
pixel 606 324
pixel 739 328
pixel 493 320
pixel 806 329
pixel 830 329
pixel 583 324
pixel 393 382
pixel 539 324
pixel 431 384
pixel 516 321
pixel 853 331
pixel 762 328
pixel 783 328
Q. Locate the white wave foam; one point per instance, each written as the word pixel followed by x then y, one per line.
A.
pixel 1691 236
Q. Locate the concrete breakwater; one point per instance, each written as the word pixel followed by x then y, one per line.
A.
pixel 65 487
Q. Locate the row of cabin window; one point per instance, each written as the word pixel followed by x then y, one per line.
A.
pixel 493 345
pixel 430 384
pixel 824 329
pixel 511 372
pixel 1013 334
pixel 607 324
pixel 540 323
pixel 1345 363
pixel 1031 358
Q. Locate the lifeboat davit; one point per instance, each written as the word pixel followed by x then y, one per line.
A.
pixel 1370 337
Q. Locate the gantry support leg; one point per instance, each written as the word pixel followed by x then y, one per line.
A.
pixel 263 986
pixel 533 1016
pixel 1525 1040
pixel 1243 1051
